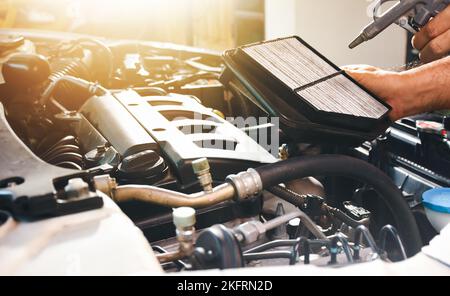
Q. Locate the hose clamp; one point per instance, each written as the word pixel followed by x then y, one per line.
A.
pixel 247 184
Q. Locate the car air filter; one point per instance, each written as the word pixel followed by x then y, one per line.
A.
pixel 321 93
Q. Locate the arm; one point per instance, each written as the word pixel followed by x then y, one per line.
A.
pixel 416 91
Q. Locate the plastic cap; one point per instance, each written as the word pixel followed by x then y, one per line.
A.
pixel 184 217
pixel 437 200
pixel 200 165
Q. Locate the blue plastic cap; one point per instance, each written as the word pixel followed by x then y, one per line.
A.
pixel 437 200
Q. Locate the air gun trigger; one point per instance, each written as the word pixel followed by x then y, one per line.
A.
pixel 406 23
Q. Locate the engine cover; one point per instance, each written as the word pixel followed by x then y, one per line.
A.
pixel 177 127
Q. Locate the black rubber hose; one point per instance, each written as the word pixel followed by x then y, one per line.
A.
pixel 304 248
pixel 180 264
pixel 344 166
pixel 268 255
pixel 287 195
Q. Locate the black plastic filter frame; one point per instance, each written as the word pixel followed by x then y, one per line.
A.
pixel 294 95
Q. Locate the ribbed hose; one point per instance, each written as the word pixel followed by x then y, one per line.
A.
pixel 287 195
pixel 70 67
pixel 344 166
pixel 63 153
pixel 66 93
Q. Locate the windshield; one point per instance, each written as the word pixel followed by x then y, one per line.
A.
pixel 216 24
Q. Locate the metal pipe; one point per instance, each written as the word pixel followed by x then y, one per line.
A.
pixel 334 249
pixel 312 227
pixel 252 231
pixel 361 232
pixel 277 222
pixel 272 245
pixel 390 230
pixel 173 199
pixel 161 251
pixel 171 257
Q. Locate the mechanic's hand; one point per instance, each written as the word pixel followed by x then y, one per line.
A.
pixel 387 85
pixel 433 40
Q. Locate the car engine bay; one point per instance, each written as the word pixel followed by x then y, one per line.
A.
pixel 209 160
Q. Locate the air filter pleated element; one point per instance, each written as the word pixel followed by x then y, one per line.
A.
pixel 290 61
pixel 339 95
pixel 313 80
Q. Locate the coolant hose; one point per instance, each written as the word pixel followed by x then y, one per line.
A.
pixel 344 166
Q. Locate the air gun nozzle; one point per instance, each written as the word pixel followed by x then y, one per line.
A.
pixel 359 40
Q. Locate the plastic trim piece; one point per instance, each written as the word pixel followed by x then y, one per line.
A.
pixel 31 189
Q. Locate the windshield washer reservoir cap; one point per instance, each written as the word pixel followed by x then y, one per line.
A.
pixel 437 200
